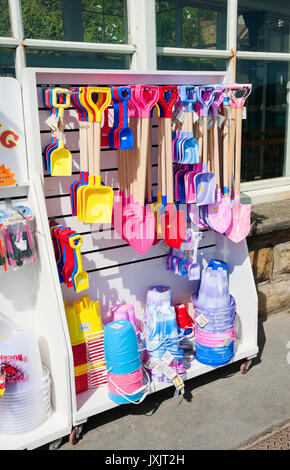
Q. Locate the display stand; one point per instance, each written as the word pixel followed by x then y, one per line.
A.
pixel 116 272
pixel 28 296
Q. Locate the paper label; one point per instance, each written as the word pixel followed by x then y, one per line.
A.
pixel 117 326
pixel 167 358
pixel 52 122
pixel 209 123
pixel 195 117
pixel 201 320
pixel 180 116
pixel 85 327
pixel 220 120
pixel 228 340
pixel 244 114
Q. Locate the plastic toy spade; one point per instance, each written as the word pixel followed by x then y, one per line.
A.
pixel 61 158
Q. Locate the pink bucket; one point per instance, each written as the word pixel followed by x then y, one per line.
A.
pixel 127 383
pixel 214 339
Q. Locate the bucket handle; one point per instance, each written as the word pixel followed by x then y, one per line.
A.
pixel 123 394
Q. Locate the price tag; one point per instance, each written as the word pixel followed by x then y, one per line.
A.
pixel 195 117
pixel 221 120
pixel 228 340
pixel 167 358
pixel 244 114
pixel 201 320
pixel 52 122
pixel 85 327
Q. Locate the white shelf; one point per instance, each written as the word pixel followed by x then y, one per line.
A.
pixel 92 402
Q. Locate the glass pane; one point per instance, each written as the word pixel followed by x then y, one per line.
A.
pixel 5 29
pixel 80 60
pixel 75 20
pixel 190 63
pixel 264 25
pixel 192 24
pixel 264 130
pixel 7 62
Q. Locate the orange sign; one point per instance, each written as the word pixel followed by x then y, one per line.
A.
pixel 6 177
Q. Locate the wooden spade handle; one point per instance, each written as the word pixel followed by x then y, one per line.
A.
pixel 204 132
pixel 232 145
pixel 238 150
pixel 169 165
pixel 225 145
pixel 149 164
pixel 162 157
pixel 216 151
pixel 143 160
pixel 137 157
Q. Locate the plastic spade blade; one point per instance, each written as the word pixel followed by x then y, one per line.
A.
pixel 205 185
pixel 241 221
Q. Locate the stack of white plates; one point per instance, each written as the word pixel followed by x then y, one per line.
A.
pixel 23 411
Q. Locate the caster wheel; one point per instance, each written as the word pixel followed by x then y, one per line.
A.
pixel 55 445
pixel 75 435
pixel 245 367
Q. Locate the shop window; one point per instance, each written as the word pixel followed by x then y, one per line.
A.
pixel 264 26
pixel 5 28
pixel 81 60
pixel 264 130
pixel 191 24
pixel 190 63
pixel 75 20
pixel 7 62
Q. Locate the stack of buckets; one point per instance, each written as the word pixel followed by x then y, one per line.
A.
pixel 161 332
pixel 124 365
pixel 26 401
pixel 127 312
pixel 87 340
pixel 215 313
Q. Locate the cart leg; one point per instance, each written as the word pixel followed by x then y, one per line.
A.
pixel 75 434
pixel 55 444
pixel 246 366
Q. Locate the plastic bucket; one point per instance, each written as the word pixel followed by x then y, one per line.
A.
pixel 19 353
pixel 121 348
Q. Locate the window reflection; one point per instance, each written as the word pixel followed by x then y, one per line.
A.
pixel 264 129
pixel 264 25
pixel 75 20
pixel 5 29
pixel 191 24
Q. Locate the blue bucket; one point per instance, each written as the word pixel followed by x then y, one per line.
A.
pixel 126 399
pixel 121 347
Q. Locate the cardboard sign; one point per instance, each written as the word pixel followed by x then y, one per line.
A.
pixel 13 161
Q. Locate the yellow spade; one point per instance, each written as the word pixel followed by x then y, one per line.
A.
pixel 81 278
pixel 98 199
pixel 86 148
pixel 60 158
pixel 72 322
pixel 90 316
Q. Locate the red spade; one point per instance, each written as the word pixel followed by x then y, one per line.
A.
pixel 172 222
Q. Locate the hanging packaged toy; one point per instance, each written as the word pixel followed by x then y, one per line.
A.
pixel 17 245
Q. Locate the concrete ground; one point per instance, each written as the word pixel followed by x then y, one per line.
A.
pixel 220 410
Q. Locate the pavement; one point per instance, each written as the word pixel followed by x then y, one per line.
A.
pixel 221 410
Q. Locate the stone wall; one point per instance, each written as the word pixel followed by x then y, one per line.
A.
pixel 269 248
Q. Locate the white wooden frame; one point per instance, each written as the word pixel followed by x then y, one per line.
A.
pixel 28 298
pixel 143 53
pixel 123 279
